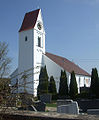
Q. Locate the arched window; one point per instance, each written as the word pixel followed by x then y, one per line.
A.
pixel 39 41
pixel 25 38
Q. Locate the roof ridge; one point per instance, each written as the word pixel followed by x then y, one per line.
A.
pixel 32 11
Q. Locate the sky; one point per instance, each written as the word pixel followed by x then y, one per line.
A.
pixel 71 26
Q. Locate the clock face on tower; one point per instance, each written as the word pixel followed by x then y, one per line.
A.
pixel 39 26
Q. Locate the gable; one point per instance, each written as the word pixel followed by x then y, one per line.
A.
pixel 39 20
pixel 67 65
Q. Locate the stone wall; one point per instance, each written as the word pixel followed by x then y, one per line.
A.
pixel 26 115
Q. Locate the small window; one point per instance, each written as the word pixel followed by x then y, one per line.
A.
pixel 39 41
pixel 26 38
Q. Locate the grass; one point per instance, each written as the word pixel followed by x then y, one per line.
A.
pixel 51 105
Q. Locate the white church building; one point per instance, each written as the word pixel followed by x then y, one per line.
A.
pixel 32 55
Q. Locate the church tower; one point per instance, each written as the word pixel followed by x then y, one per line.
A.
pixel 31 50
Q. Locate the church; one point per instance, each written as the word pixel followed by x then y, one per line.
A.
pixel 32 56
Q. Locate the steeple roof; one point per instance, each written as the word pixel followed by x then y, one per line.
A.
pixel 67 65
pixel 29 21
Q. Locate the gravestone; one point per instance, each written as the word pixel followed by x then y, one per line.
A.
pixel 46 98
pixel 93 111
pixel 64 102
pixel 69 108
pixel 28 103
pixel 85 104
pixel 40 106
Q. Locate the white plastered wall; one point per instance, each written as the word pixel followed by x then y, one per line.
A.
pixel 38 51
pixel 26 60
pixel 54 70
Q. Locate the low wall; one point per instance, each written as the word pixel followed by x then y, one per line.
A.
pixel 27 115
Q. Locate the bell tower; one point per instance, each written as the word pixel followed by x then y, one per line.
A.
pixel 31 50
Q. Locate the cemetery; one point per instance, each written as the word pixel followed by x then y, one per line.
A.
pixel 63 106
pixel 68 104
pixel 38 92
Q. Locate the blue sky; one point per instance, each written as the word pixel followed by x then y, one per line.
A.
pixel 72 28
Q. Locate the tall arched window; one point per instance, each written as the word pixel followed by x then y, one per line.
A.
pixel 39 41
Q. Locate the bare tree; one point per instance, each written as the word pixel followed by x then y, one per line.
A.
pixel 4 59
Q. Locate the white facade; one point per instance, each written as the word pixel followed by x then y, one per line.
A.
pixel 54 70
pixel 38 51
pixel 32 57
pixel 25 58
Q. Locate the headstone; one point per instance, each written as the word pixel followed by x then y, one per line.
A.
pixel 40 106
pixel 28 103
pixel 93 111
pixel 31 108
pixel 69 108
pixel 86 104
pixel 64 102
pixel 46 98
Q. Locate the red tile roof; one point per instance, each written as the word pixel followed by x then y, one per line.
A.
pixel 67 65
pixel 29 20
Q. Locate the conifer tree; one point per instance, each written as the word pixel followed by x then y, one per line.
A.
pixel 63 88
pixel 65 85
pixel 73 86
pixel 52 87
pixel 43 82
pixel 40 82
pixel 45 73
pixel 94 88
pixel 60 85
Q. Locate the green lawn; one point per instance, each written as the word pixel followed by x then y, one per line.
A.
pixel 51 105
